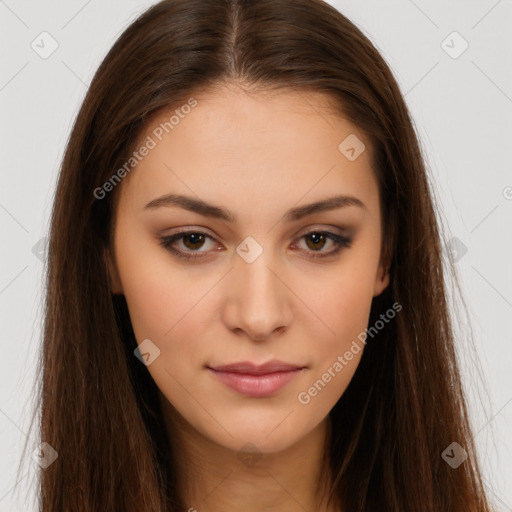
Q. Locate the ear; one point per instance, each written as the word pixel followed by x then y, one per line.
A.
pixel 381 279
pixel 114 280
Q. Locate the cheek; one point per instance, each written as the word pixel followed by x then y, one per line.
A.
pixel 165 308
pixel 161 301
pixel 343 301
pixel 337 341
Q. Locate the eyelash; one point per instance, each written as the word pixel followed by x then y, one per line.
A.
pixel 166 242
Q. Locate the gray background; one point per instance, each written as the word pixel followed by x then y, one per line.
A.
pixel 462 108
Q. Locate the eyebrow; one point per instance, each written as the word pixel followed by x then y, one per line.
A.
pixel 209 210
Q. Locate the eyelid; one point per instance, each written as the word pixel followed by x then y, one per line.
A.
pixel 323 228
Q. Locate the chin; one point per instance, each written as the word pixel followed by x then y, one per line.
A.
pixel 274 433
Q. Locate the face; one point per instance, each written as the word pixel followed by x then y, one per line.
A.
pixel 244 273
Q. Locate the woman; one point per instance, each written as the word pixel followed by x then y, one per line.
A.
pixel 246 307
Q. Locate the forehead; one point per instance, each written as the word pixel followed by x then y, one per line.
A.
pixel 244 147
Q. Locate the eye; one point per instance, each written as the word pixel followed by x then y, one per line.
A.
pixel 192 240
pixel 195 240
pixel 317 240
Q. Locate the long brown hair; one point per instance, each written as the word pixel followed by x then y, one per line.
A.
pixel 99 407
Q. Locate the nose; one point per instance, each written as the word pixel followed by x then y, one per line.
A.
pixel 257 301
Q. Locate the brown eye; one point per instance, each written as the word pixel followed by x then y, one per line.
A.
pixel 192 241
pixel 316 241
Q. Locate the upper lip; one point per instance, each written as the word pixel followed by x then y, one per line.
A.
pixel 249 368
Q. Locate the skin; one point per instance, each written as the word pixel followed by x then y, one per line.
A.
pixel 257 155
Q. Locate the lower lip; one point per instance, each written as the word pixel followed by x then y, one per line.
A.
pixel 256 385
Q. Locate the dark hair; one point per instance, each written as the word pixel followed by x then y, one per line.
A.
pixel 99 407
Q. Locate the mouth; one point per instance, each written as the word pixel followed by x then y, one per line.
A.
pixel 257 381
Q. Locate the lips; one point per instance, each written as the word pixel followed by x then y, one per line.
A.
pixel 254 380
pixel 252 369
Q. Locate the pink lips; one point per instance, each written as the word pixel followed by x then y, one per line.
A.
pixel 256 381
